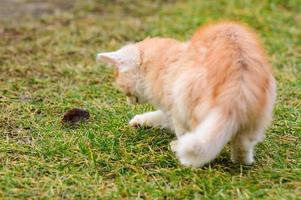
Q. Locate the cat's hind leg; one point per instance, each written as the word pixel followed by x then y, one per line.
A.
pixel 203 144
pixel 151 119
pixel 243 145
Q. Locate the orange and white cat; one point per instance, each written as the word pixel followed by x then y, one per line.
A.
pixel 216 87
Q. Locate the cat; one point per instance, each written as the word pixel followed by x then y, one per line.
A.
pixel 216 87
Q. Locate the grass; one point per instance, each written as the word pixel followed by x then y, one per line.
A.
pixel 47 66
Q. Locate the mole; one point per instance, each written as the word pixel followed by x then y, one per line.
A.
pixel 75 116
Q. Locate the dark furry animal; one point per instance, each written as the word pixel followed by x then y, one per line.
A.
pixel 75 115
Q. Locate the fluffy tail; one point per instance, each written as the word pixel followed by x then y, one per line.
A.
pixel 205 143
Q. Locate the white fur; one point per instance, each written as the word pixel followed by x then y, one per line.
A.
pixel 178 90
pixel 243 144
pixel 153 119
pixel 179 110
pixel 245 140
pixel 179 127
pixel 205 143
pixel 180 114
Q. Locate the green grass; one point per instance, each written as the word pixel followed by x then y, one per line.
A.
pixel 47 66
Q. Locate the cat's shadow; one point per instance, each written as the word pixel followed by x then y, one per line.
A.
pixel 223 163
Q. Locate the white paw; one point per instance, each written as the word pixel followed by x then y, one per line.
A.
pixel 244 162
pixel 173 145
pixel 188 151
pixel 247 159
pixel 250 161
pixel 138 121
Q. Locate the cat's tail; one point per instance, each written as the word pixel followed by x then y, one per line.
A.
pixel 207 140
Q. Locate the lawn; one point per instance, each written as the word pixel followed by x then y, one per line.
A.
pixel 47 66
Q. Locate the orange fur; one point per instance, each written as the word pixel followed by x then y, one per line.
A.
pixel 221 73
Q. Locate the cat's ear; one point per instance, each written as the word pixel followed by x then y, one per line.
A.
pixel 124 59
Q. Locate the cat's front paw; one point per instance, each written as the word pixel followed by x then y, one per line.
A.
pixel 138 121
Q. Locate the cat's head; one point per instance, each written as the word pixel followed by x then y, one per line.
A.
pixel 126 62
